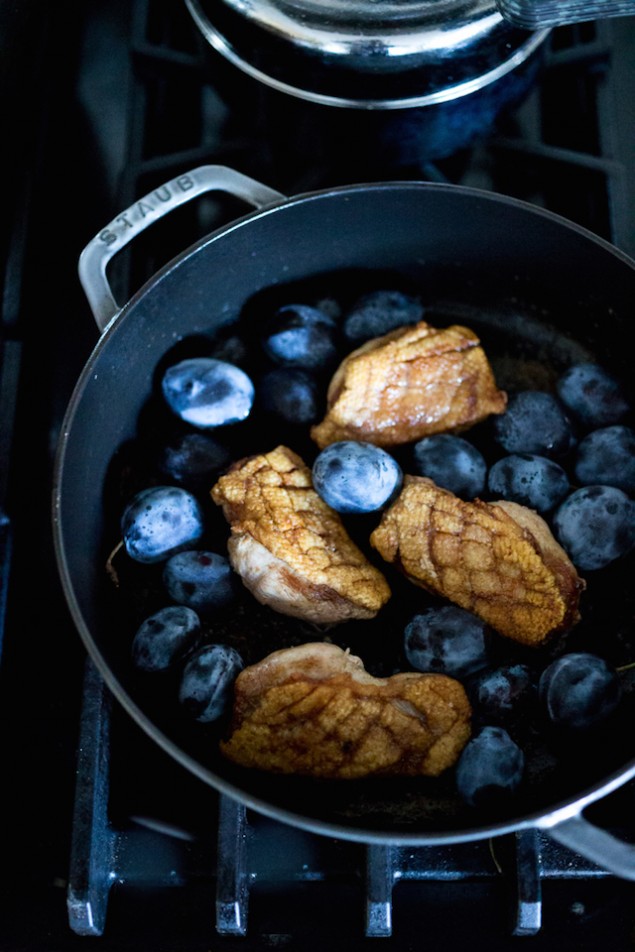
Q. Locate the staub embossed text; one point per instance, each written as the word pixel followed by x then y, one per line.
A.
pixel 146 207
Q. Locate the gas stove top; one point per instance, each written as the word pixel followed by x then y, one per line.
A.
pixel 108 843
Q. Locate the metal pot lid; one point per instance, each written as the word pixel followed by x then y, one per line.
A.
pixel 367 53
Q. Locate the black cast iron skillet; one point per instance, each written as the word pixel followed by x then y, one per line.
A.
pixel 541 292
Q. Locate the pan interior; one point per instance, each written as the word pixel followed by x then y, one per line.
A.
pixel 541 294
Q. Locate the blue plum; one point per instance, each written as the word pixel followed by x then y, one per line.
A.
pixel 208 393
pixel 502 694
pixel 452 463
pixel 193 459
pixel 446 640
pixel 290 394
pixel 207 682
pixel 595 525
pixel 354 477
pixel 490 768
pixel 607 457
pixel 201 580
pixel 593 395
pixel 299 335
pixel 579 690
pixel 164 637
pixel 379 312
pixel 161 521
pixel 534 422
pixel 533 481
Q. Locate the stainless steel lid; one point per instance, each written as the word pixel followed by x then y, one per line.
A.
pixel 367 53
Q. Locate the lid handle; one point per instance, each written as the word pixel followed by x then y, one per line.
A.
pixel 541 14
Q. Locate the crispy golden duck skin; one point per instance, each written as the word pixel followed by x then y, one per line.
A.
pixel 410 383
pixel 291 549
pixel 315 711
pixel 498 560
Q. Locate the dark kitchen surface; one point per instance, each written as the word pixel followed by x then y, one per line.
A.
pixel 103 103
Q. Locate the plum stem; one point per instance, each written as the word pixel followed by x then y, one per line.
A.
pixel 110 569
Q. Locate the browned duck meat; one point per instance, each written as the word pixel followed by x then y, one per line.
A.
pixel 315 711
pixel 498 560
pixel 291 549
pixel 410 383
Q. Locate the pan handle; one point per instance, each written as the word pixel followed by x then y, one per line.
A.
pixel 146 211
pixel 594 843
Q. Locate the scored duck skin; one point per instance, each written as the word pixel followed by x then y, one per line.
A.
pixel 498 560
pixel 291 549
pixel 410 383
pixel 315 711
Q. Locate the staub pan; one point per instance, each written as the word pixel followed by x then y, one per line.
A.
pixel 541 292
